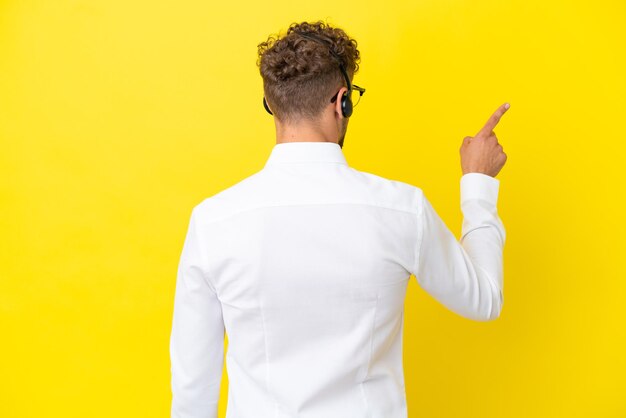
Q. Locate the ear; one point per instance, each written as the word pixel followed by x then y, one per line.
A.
pixel 338 101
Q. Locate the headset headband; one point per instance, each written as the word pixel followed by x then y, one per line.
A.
pixel 333 53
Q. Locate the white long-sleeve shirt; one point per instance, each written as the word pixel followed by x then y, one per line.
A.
pixel 305 265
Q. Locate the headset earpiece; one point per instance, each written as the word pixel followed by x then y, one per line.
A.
pixel 266 106
pixel 346 105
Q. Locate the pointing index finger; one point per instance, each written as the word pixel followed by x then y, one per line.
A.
pixel 493 120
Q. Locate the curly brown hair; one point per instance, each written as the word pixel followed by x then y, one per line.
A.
pixel 301 75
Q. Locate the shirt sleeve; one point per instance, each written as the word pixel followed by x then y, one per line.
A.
pixel 464 275
pixel 197 335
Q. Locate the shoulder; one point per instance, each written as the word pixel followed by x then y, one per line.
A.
pixel 400 194
pixel 229 200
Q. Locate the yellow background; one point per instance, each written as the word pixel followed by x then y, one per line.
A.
pixel 117 117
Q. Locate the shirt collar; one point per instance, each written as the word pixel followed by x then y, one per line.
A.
pixel 306 152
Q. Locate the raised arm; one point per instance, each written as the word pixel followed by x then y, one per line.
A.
pixel 466 275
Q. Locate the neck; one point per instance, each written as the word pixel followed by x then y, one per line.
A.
pixel 306 131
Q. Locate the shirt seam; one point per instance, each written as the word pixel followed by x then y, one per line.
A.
pixel 212 221
pixel 420 235
pixel 369 359
pixel 267 362
pixel 201 254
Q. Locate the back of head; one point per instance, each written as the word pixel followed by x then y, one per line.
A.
pixel 300 75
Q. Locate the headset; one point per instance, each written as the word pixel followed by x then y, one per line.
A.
pixel 346 99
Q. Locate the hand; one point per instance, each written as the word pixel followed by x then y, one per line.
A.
pixel 482 153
